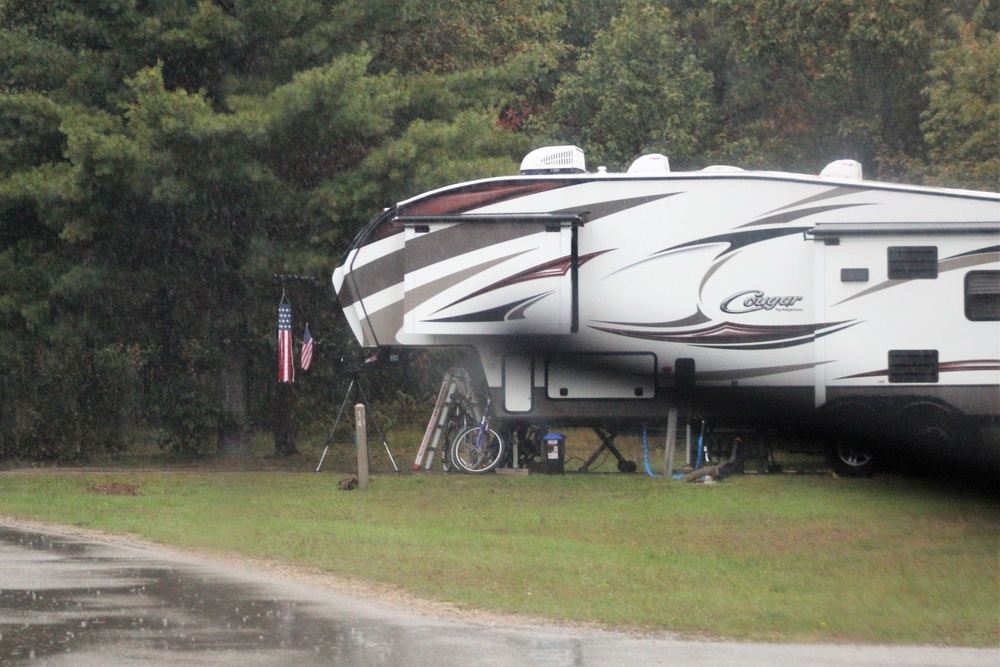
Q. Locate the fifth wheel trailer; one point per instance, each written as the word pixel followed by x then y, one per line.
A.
pixel 871 309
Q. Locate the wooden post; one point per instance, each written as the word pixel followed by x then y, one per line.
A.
pixel 687 442
pixel 668 449
pixel 361 431
pixel 283 424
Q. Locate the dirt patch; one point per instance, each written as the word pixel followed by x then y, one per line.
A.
pixel 115 489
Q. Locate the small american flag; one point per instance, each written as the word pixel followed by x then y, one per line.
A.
pixel 286 368
pixel 307 350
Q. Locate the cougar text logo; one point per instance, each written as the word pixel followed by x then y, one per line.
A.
pixel 753 300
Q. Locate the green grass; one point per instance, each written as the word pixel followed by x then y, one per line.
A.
pixel 774 558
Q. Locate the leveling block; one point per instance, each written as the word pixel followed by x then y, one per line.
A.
pixel 513 472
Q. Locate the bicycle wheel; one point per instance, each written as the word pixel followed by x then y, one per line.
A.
pixel 475 453
pixel 453 429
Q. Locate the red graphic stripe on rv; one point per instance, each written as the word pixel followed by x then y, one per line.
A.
pixel 727 332
pixel 970 365
pixel 945 367
pixel 464 199
pixel 554 269
pixel 739 336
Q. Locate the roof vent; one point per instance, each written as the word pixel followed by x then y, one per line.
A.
pixel 721 169
pixel 847 169
pixel 554 160
pixel 654 163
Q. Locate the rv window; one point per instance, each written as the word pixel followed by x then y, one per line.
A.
pixel 909 262
pixel 982 295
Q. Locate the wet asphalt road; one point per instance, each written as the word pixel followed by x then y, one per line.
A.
pixel 70 600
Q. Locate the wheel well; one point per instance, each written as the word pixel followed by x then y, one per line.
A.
pixel 926 403
pixel 861 416
pixel 927 425
pixel 884 412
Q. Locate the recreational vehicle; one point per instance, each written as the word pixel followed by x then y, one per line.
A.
pixel 870 309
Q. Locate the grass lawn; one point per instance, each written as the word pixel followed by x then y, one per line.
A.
pixel 806 558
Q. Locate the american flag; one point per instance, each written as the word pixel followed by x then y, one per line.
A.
pixel 286 368
pixel 307 350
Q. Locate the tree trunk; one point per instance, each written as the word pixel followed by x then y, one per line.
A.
pixel 715 471
pixel 234 439
pixel 284 424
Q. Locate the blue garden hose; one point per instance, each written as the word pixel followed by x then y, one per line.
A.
pixel 645 447
pixel 701 449
pixel 697 463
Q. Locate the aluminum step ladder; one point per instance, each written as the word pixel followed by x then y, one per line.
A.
pixel 454 387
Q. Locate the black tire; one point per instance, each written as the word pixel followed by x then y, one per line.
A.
pixel 929 435
pixel 852 434
pixel 450 432
pixel 851 459
pixel 927 427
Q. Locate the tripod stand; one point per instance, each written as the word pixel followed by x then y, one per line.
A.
pixel 356 382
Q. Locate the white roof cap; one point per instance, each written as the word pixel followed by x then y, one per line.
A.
pixel 653 163
pixel 849 169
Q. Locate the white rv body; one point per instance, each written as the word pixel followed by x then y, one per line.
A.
pixel 595 297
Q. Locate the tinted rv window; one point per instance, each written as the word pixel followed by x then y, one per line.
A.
pixel 982 295
pixel 909 262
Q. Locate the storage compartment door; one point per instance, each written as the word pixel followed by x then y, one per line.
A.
pixel 517 383
pixel 602 376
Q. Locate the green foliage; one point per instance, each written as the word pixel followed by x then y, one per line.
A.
pixel 637 90
pixel 431 154
pixel 805 82
pixel 962 119
pixel 82 401
pixel 29 131
pixel 445 37
pixel 326 120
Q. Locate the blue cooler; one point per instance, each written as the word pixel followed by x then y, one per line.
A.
pixel 554 453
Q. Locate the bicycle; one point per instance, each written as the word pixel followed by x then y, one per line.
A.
pixel 458 421
pixel 477 449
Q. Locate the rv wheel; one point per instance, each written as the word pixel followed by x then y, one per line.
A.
pixel 851 434
pixel 927 427
pixel 852 459
pixel 930 434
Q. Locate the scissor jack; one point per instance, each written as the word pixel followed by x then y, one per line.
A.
pixel 608 443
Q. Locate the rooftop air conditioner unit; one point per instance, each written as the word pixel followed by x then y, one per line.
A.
pixel 554 160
